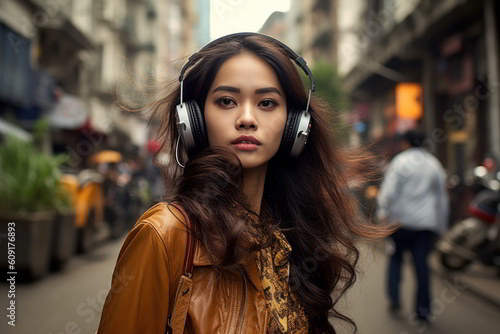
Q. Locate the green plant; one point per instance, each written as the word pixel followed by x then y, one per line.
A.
pixel 329 85
pixel 29 179
pixel 40 129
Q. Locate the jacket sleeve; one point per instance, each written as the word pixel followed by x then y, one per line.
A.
pixel 138 299
pixel 443 201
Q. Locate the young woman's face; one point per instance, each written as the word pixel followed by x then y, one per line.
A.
pixel 246 98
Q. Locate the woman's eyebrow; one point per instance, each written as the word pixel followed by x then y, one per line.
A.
pixel 257 91
pixel 267 90
pixel 227 89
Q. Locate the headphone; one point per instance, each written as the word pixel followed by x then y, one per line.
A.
pixel 191 124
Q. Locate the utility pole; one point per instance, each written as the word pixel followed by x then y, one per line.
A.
pixel 428 85
pixel 493 77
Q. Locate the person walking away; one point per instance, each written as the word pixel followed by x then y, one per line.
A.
pixel 414 193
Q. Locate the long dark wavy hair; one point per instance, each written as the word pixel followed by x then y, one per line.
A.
pixel 307 198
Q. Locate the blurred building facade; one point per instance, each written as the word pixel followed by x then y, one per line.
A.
pixel 65 60
pixel 276 26
pixel 427 64
pixel 43 55
pixel 312 29
pixel 309 27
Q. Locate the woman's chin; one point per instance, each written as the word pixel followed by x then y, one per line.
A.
pixel 251 162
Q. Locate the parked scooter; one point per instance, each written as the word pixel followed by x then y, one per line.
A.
pixel 476 238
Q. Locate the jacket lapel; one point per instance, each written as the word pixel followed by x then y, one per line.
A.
pixel 201 259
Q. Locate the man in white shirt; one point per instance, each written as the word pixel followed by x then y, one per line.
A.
pixel 414 193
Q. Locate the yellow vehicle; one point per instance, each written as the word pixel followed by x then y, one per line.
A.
pixel 86 192
pixel 86 196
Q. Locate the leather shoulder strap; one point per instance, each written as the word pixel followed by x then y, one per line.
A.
pixel 177 318
pixel 189 256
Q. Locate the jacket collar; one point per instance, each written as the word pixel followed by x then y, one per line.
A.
pixel 201 259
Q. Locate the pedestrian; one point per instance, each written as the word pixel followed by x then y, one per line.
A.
pixel 414 194
pixel 256 235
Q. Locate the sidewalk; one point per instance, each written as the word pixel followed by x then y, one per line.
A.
pixel 482 281
pixel 479 279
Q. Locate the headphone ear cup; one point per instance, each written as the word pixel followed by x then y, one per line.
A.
pixel 198 125
pixel 289 133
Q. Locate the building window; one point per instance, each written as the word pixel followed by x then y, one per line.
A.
pixel 15 68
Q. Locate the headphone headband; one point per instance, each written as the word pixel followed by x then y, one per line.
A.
pixel 291 54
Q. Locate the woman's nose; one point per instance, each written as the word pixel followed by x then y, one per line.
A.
pixel 246 118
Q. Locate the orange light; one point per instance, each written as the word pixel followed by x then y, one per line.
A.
pixel 408 104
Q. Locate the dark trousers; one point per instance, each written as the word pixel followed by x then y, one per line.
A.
pixel 420 244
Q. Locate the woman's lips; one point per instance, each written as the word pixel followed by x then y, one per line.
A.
pixel 246 147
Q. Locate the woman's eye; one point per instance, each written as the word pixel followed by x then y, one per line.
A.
pixel 224 101
pixel 268 103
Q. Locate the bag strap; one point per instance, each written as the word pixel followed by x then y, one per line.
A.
pixel 176 320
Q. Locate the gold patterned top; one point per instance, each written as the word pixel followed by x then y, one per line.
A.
pixel 286 313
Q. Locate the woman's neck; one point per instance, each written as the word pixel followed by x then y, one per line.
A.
pixel 253 185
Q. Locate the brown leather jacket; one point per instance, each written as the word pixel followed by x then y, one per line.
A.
pixel 146 276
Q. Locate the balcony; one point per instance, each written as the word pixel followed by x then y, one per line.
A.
pixel 133 41
pixel 64 31
pixel 322 6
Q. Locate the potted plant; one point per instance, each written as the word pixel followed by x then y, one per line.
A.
pixel 65 232
pixel 30 197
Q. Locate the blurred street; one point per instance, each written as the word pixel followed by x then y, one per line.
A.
pixel 71 301
pixel 66 302
pixel 367 303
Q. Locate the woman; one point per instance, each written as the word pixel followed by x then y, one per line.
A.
pixel 274 233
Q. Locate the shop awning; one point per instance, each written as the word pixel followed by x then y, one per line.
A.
pixel 70 112
pixel 13 130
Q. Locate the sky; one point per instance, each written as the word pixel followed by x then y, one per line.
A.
pixel 229 16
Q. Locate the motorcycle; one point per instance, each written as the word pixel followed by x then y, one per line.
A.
pixel 477 237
